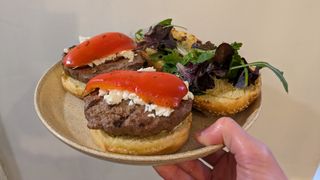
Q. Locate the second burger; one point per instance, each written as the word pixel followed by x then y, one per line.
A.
pixel 137 112
pixel 100 54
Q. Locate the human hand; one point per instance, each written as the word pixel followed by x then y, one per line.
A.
pixel 247 157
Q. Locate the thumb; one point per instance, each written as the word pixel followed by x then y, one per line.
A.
pixel 226 131
pixel 253 158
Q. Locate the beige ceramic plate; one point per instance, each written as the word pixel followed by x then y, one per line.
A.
pixel 63 115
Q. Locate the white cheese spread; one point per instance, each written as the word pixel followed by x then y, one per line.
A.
pixel 113 97
pixel 128 54
pixel 83 38
pixel 147 69
pixel 189 95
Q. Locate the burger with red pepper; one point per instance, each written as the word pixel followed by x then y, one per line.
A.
pixel 100 54
pixel 138 112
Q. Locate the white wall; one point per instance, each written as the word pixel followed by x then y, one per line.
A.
pixel 34 32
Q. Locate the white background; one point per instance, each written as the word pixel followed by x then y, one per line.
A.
pixel 33 34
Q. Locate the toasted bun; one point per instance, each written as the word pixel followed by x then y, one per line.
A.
pixel 225 99
pixel 72 85
pixel 163 143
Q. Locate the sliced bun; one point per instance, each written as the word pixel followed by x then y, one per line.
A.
pixel 72 85
pixel 163 143
pixel 225 99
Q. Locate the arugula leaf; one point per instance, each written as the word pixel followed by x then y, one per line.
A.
pixel 170 68
pixel 188 58
pixel 262 64
pixel 173 57
pixel 170 59
pixel 246 75
pixel 236 46
pixel 197 56
pixel 139 35
pixel 165 22
pixel 236 61
pixel 204 56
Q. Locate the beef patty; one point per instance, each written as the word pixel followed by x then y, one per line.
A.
pixel 85 73
pixel 122 119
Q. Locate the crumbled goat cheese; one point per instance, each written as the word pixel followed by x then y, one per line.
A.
pixel 83 38
pixel 148 69
pixel 126 54
pixel 189 95
pixel 66 50
pixel 113 97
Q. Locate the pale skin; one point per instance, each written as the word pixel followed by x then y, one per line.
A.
pixel 247 158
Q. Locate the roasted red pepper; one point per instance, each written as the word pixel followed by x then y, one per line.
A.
pixel 159 88
pixel 98 47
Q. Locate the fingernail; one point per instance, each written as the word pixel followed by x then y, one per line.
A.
pixel 202 137
pixel 212 134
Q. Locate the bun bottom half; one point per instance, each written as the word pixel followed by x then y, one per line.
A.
pixel 162 143
pixel 72 85
pixel 225 99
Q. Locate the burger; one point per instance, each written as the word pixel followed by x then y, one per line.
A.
pixel 100 54
pixel 222 81
pixel 138 112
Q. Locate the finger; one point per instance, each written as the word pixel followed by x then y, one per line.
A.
pixel 196 169
pixel 214 158
pixel 227 131
pixel 249 152
pixel 170 172
pixel 226 168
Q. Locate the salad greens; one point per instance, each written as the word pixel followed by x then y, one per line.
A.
pixel 139 35
pixel 262 64
pixel 203 62
pixel 172 57
pixel 165 22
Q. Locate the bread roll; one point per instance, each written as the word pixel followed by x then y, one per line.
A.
pixel 163 143
pixel 225 99
pixel 72 85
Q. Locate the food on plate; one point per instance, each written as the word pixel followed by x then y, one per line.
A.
pixel 222 80
pixel 100 54
pixel 138 112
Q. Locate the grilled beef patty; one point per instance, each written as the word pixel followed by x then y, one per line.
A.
pixel 85 73
pixel 122 119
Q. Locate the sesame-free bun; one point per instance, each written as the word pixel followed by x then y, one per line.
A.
pixel 72 85
pixel 162 143
pixel 225 99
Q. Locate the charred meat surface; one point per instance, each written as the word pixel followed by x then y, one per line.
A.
pixel 130 120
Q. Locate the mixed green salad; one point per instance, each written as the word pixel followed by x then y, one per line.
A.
pixel 201 63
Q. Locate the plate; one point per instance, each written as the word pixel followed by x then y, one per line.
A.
pixel 62 113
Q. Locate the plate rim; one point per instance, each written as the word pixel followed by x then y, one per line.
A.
pixel 123 158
